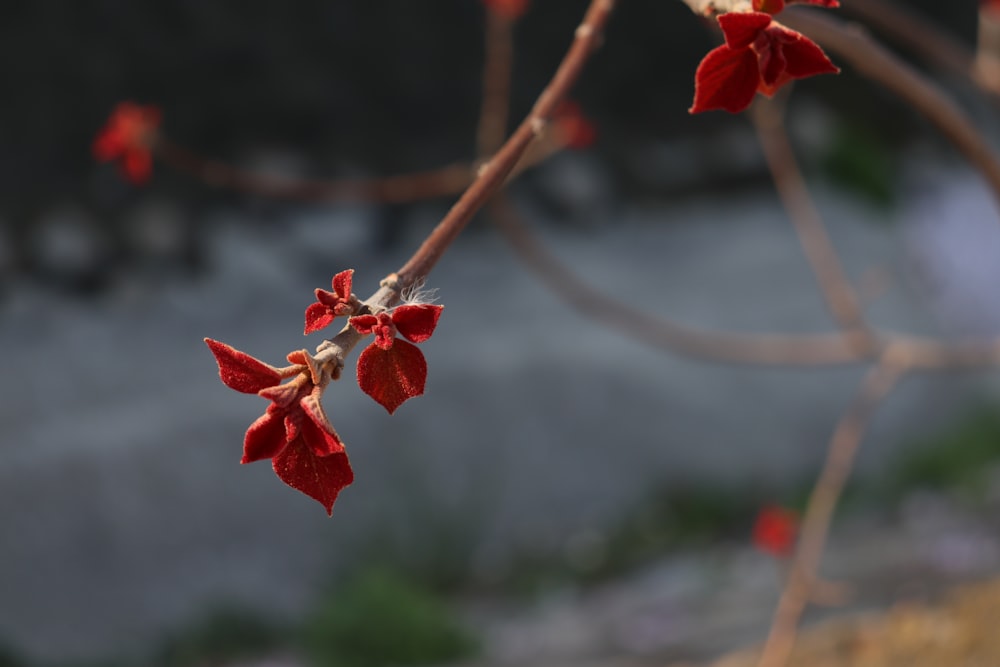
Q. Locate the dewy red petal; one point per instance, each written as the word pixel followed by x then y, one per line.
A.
pixel 741 28
pixel 264 438
pixel 381 325
pixel 416 323
pixel 316 429
pixel 342 283
pixel 239 371
pixel 318 316
pixel 803 56
pixel 392 376
pixel 322 478
pixel 726 79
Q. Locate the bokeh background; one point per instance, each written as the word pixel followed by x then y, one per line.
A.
pixel 562 492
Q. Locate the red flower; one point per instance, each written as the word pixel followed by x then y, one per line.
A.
pixel 509 9
pixel 775 531
pixel 128 137
pixel 575 130
pixel 331 304
pixel 760 55
pixel 391 370
pixel 294 432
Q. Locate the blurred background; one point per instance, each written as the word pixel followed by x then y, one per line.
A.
pixel 562 494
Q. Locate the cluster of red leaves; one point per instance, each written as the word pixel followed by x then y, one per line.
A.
pixel 775 531
pixel 509 9
pixel 128 137
pixel 293 432
pixel 759 56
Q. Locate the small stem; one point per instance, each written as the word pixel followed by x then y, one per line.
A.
pixel 841 298
pixel 841 452
pixel 491 177
pixel 498 50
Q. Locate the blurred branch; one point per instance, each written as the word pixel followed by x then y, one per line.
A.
pixel 498 48
pixel 841 298
pixel 841 452
pixel 855 45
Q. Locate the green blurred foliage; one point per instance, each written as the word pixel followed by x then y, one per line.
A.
pixel 863 162
pixel 228 633
pixel 380 618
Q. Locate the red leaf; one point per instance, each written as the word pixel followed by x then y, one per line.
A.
pixel 239 371
pixel 803 56
pixel 392 376
pixel 381 325
pixel 264 438
pixel 364 324
pixel 726 79
pixel 317 431
pixel 320 477
pixel 341 283
pixel 318 316
pixel 137 165
pixel 775 531
pixel 416 323
pixel 742 28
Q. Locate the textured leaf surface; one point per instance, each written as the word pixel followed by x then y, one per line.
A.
pixel 416 323
pixel 392 376
pixel 264 438
pixel 322 478
pixel 239 371
pixel 726 79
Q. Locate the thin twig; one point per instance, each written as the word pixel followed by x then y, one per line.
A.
pixel 853 44
pixel 841 452
pixel 840 296
pixel 498 57
pixel 493 173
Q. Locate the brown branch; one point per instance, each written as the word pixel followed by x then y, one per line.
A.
pixel 925 39
pixel 492 175
pixel 840 296
pixel 853 44
pixel 498 60
pixel 841 452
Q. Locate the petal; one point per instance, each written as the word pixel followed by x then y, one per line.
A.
pixel 771 59
pixel 239 371
pixel 329 299
pixel 364 324
pixel 803 56
pixel 742 28
pixel 769 6
pixel 341 283
pixel 320 477
pixel 416 323
pixel 282 395
pixel 264 438
pixel 726 79
pixel 392 376
pixel 318 316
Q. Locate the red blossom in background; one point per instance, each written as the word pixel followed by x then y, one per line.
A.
pixel 332 304
pixel 759 56
pixel 775 531
pixel 128 137
pixel 294 432
pixel 575 130
pixel 509 9
pixel 392 370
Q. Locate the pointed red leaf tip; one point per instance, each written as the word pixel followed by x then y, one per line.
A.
pixel 330 305
pixel 128 136
pixel 416 322
pixel 509 9
pixel 239 371
pixel 775 531
pixel 759 56
pixel 574 130
pixel 322 478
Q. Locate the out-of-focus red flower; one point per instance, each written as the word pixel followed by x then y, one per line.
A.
pixel 392 370
pixel 332 304
pixel 294 432
pixel 575 130
pixel 775 531
pixel 759 56
pixel 509 9
pixel 128 137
